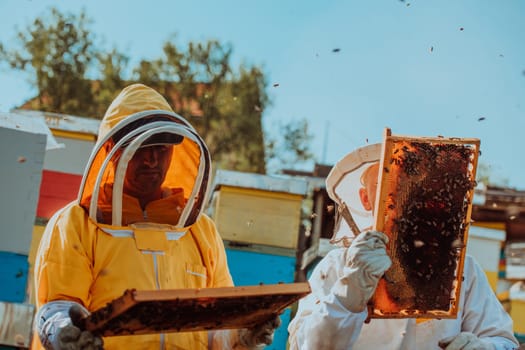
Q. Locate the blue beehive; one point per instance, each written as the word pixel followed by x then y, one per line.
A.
pixel 259 219
pixel 13 277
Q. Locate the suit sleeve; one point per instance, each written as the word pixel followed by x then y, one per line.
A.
pixel 321 321
pixel 213 252
pixel 63 268
pixel 483 313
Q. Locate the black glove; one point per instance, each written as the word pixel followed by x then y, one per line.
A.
pixel 260 334
pixel 72 337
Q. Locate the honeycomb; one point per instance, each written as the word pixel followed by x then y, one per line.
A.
pixel 424 206
pixel 183 310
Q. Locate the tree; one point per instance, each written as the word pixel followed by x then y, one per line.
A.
pixel 226 104
pixel 485 175
pixel 113 65
pixel 56 52
pixel 292 149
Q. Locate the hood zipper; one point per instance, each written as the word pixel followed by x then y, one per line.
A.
pixel 157 282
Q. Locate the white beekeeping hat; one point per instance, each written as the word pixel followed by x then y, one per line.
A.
pixel 342 184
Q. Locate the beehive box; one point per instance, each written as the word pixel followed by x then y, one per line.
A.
pixel 16 323
pixel 517 313
pixel 515 260
pixel 517 307
pixel 258 209
pixel 424 204
pixel 485 244
pixel 14 272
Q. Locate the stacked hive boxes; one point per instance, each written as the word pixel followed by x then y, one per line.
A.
pixel 485 245
pixel 259 219
pixel 24 143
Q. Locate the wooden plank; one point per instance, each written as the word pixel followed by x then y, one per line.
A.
pixel 182 310
pixel 16 322
pixel 267 183
pixel 260 248
pixel 430 139
pixel 424 204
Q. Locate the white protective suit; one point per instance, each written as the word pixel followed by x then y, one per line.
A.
pixel 322 322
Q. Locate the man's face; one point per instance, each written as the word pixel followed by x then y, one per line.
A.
pixel 368 192
pixel 146 170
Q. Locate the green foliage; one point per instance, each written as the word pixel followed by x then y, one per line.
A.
pixel 226 105
pixel 57 52
pixel 293 149
pixel 112 66
pixel 485 175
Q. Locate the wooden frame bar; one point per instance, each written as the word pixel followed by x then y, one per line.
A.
pixel 182 310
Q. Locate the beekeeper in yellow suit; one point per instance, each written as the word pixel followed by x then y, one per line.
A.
pixel 137 223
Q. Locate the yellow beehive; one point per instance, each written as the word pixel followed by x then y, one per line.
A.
pixel 517 306
pixel 517 312
pixel 258 209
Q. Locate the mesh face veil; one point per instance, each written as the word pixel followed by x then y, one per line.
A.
pixel 343 184
pixel 172 154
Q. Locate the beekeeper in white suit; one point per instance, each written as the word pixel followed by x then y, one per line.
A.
pixel 333 315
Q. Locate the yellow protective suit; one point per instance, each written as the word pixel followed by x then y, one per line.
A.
pixel 104 243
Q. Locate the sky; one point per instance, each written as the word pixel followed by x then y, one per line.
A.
pixel 454 68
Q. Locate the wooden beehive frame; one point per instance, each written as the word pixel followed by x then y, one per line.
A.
pixel 397 288
pixel 183 310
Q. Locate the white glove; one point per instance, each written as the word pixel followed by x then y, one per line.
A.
pixel 366 261
pixel 60 326
pixel 465 341
pixel 259 335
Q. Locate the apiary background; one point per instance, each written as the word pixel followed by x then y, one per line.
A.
pixel 515 260
pixel 485 245
pixel 24 143
pixel 16 322
pixel 517 309
pixel 503 209
pixel 259 218
pixel 258 209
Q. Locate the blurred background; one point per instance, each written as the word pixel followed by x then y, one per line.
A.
pixel 310 80
pixel 280 91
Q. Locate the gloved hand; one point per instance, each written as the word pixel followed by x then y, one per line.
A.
pixel 465 341
pixel 366 261
pixel 71 337
pixel 261 334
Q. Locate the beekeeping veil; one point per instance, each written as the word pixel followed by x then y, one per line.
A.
pixel 140 117
pixel 343 184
